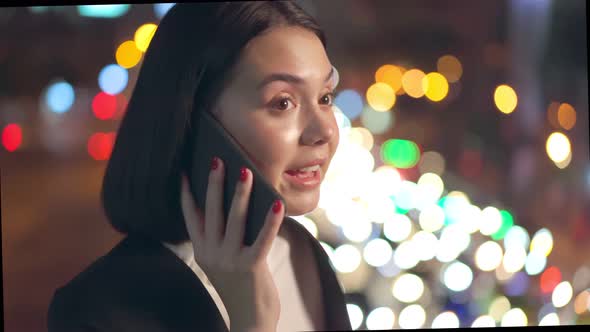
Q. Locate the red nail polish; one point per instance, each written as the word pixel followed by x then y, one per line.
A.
pixel 243 174
pixel 214 163
pixel 276 207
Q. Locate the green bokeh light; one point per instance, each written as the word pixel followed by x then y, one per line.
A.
pixel 400 153
pixel 507 223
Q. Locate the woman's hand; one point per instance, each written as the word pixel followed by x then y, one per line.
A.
pixel 240 274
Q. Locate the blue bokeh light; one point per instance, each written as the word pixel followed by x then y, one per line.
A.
pixel 60 97
pixel 113 79
pixel 162 8
pixel 103 11
pixel 517 285
pixel 350 103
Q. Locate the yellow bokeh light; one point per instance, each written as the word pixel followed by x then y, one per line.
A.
pixel 401 90
pixel 128 55
pixel 143 36
pixel 505 99
pixel 566 116
pixel 435 86
pixel 412 83
pixel 566 162
pixel 381 97
pixel 367 141
pixel 558 147
pixel 450 67
pixel 552 114
pixel 390 75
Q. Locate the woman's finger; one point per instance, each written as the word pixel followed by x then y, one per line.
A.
pixel 234 232
pixel 214 202
pixel 269 231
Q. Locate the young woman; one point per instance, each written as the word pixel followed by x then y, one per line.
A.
pixel 262 70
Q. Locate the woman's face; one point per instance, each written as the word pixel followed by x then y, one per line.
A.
pixel 278 107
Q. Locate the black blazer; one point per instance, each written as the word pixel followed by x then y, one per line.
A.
pixel 140 285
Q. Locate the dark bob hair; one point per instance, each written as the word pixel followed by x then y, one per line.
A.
pixel 188 62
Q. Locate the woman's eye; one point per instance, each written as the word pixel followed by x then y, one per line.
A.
pixel 329 97
pixel 282 104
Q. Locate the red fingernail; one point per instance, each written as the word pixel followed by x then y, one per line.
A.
pixel 276 207
pixel 214 163
pixel 243 174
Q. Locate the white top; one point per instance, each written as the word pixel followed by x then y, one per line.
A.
pixel 294 314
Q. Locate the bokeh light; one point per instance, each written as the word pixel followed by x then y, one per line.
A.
pixel 400 153
pixel 347 258
pixel 358 230
pixel 380 97
pixel 558 147
pixel 408 288
pixel 127 54
pixel 516 236
pixel 551 319
pixel 491 220
pixel 143 36
pixel 412 83
pixel 350 103
pixel 517 285
pixel 160 9
pixel 507 224
pixel 103 11
pixel 435 86
pixel 100 145
pixel 432 162
pixel 505 99
pixel 412 317
pixel 113 79
pixel 542 242
pixel 457 276
pixel 514 259
pixel 432 218
pixel 12 137
pixel 355 315
pixel 450 67
pixel 566 116
pixel 488 256
pixel 446 320
pixel 428 244
pixel 377 252
pixel 550 279
pixel 363 137
pixel 60 97
pixel 499 306
pixel 535 263
pixel 376 122
pixel 398 228
pixel 514 317
pixel 406 255
pixel 452 242
pixel 104 106
pixel 552 110
pixel 582 302
pixel 484 321
pixel 390 75
pixel 309 225
pixel 381 318
pixel 562 294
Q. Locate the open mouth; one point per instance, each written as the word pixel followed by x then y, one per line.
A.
pixel 306 177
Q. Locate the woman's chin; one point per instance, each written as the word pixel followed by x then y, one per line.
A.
pixel 301 204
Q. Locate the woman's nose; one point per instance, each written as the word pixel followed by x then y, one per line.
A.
pixel 320 126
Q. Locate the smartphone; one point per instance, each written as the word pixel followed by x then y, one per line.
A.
pixel 210 139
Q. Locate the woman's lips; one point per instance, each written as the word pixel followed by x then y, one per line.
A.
pixel 303 180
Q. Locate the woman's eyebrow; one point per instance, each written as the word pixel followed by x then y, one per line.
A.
pixel 288 78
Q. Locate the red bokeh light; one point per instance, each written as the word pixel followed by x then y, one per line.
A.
pixel 121 106
pixel 100 145
pixel 104 106
pixel 549 279
pixel 12 137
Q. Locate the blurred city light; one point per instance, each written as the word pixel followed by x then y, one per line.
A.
pixel 398 228
pixel 377 252
pixel 103 11
pixel 412 83
pixel 400 153
pixel 514 317
pixel 355 315
pixel 432 162
pixel 104 106
pixel 408 288
pixel 498 307
pixel 160 9
pixel 128 55
pixel 562 294
pixel 143 36
pixel 542 242
pixel 566 116
pixel 350 103
pixel 381 97
pixel 550 319
pixel 376 122
pixel 435 86
pixel 558 147
pixel 457 276
pixel 12 137
pixel 450 67
pixel 347 258
pixel 505 99
pixel 550 279
pixel 484 321
pixel 60 97
pixel 100 145
pixel 381 318
pixel 446 320
pixel 488 256
pixel 113 79
pixel 390 75
pixel 412 317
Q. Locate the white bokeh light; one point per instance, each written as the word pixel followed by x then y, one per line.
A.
pixel 491 220
pixel 347 258
pixel 484 321
pixel 457 276
pixel 551 319
pixel 408 288
pixel 562 294
pixel 428 244
pixel 377 252
pixel 445 320
pixel 381 318
pixel 355 314
pixel 406 256
pixel 514 317
pixel 398 228
pixel 514 259
pixel 488 256
pixel 431 218
pixel 412 317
